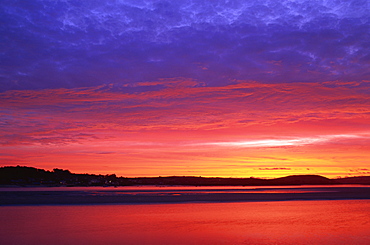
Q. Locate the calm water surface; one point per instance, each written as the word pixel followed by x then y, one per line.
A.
pixel 285 222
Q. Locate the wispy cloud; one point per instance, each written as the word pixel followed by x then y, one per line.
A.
pixel 81 114
pixel 274 169
pixel 299 141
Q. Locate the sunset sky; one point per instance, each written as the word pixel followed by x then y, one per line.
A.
pixel 189 88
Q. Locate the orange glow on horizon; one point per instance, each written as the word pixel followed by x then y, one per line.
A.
pixel 240 130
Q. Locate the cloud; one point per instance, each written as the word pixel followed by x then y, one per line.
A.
pixel 169 85
pixel 71 44
pixel 266 143
pixel 283 142
pixel 75 115
pixel 359 171
pixel 274 168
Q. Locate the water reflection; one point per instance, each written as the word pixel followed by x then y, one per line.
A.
pixel 172 188
pixel 286 222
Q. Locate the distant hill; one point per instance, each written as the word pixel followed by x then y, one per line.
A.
pixel 365 180
pixel 27 176
pixel 302 180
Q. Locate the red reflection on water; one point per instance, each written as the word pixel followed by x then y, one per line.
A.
pixel 288 222
pixel 161 188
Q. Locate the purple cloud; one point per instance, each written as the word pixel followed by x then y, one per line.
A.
pixel 70 44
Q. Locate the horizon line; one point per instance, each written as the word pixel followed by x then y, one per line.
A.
pixel 191 176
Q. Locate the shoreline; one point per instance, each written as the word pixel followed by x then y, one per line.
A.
pixel 167 195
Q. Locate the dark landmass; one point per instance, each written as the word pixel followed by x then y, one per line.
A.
pixel 29 176
pixel 325 189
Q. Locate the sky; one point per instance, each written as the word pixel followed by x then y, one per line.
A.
pixel 240 88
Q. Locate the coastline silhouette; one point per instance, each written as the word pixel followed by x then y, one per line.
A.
pixel 30 176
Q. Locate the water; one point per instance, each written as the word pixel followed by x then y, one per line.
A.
pixel 277 222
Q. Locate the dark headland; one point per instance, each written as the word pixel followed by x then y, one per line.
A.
pixel 30 176
pixel 299 187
